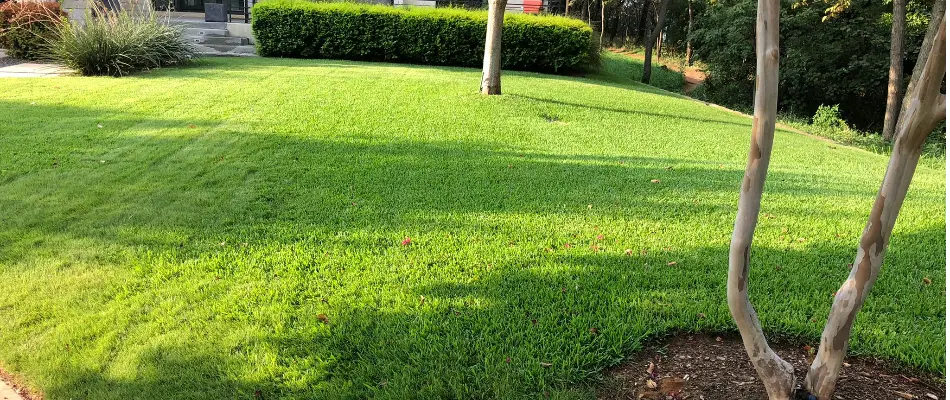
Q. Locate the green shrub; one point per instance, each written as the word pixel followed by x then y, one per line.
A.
pixel 829 117
pixel 25 27
pixel 442 36
pixel 118 43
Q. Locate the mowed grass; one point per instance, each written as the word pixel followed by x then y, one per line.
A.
pixel 235 230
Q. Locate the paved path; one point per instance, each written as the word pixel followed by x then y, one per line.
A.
pixel 33 70
pixel 7 392
pixel 15 68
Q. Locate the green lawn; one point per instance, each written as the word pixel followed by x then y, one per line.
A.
pixel 181 233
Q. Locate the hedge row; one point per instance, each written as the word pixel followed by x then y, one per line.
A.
pixel 435 36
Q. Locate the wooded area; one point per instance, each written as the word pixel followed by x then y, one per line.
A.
pixel 832 52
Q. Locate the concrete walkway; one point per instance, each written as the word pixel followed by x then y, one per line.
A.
pixel 33 70
pixel 14 68
pixel 7 392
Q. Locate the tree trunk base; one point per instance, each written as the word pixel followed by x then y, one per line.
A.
pixel 491 90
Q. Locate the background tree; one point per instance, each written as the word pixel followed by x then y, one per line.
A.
pixel 651 40
pixel 491 67
pixel 689 32
pixel 895 75
pixel 827 58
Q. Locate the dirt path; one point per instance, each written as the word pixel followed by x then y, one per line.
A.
pixel 693 76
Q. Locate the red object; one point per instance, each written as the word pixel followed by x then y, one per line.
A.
pixel 532 6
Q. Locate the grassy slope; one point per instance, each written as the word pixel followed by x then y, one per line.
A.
pixel 620 68
pixel 187 247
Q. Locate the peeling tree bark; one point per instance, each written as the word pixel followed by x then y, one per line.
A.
pixel 491 68
pixel 777 375
pixel 926 109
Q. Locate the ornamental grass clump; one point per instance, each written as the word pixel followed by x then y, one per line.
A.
pixel 119 42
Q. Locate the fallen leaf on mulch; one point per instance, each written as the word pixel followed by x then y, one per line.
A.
pixel 651 384
pixel 904 395
pixel 651 368
pixel 672 385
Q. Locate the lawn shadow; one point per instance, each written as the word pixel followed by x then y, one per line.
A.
pixel 534 315
pixel 162 373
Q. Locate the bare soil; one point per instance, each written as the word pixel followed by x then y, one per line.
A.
pixel 703 367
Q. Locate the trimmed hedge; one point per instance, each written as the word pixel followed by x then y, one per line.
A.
pixel 435 36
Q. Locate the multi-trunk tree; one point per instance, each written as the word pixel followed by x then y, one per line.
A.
pixel 926 108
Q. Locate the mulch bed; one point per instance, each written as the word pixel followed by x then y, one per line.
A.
pixel 706 367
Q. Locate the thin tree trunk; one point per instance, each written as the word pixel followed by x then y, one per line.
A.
pixel 895 76
pixel 936 16
pixel 616 24
pixel 642 28
pixel 648 50
pixel 603 20
pixel 927 108
pixel 689 34
pixel 777 375
pixel 659 45
pixel 491 69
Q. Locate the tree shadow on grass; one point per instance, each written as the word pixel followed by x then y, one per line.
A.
pixel 178 372
pixel 550 322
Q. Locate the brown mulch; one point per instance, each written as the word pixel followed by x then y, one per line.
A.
pixel 706 367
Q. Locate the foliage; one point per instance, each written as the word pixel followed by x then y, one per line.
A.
pixel 827 122
pixel 188 247
pixel 839 60
pixel 25 27
pixel 119 43
pixel 829 117
pixel 442 36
